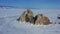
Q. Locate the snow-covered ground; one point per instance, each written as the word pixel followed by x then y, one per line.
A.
pixel 10 25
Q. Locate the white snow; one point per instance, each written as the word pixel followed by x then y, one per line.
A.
pixel 10 25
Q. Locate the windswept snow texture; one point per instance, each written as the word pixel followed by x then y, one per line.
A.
pixel 9 24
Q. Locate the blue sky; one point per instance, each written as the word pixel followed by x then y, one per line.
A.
pixel 32 3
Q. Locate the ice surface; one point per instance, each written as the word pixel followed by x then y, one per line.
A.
pixel 10 25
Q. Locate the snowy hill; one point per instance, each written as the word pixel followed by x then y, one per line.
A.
pixel 8 7
pixel 9 24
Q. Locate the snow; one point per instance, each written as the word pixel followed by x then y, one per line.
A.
pixel 10 25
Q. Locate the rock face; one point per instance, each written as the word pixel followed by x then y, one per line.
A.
pixel 27 16
pixel 40 19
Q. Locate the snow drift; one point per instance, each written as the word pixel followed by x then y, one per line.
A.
pixel 9 24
